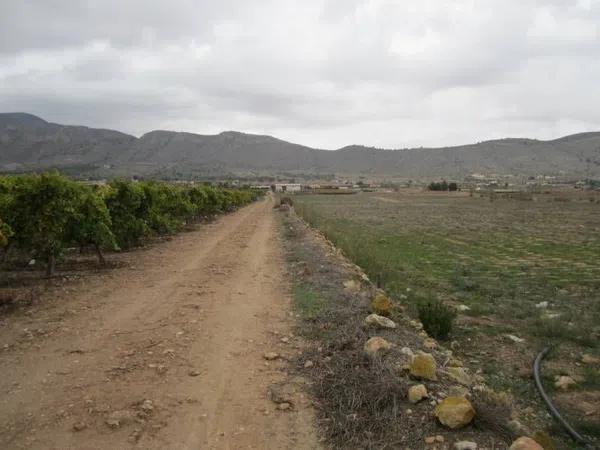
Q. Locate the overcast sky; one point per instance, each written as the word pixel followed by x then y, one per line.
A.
pixel 324 73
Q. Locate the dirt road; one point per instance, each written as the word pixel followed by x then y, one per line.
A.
pixel 165 354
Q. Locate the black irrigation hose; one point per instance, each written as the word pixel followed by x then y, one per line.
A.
pixel 536 374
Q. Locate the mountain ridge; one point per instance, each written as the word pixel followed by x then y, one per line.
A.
pixel 28 142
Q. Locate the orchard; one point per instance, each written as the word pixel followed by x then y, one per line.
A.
pixel 43 215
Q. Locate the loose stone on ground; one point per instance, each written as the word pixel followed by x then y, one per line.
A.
pixel 455 412
pixel 377 346
pixel 423 366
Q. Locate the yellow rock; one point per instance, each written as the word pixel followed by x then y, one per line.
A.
pixel 429 343
pixel 564 382
pixel 377 346
pixel 416 325
pixel 455 412
pixel 377 321
pixel 417 393
pixel 381 305
pixel 589 359
pixel 352 285
pixel 423 366
pixel 525 443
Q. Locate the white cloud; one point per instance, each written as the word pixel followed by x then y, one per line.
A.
pixel 549 24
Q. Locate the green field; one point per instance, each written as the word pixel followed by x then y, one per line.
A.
pixel 497 257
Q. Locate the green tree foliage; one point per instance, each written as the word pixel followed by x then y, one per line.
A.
pixel 166 207
pixel 125 202
pixel 140 209
pixel 6 195
pixel 91 224
pixel 438 185
pixel 442 186
pixel 5 233
pixel 6 198
pixel 44 214
pixel 41 209
pixel 199 199
pixel 214 200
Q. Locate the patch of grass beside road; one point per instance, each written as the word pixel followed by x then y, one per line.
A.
pixel 307 302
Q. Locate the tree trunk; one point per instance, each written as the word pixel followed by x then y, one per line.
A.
pixel 6 251
pixel 51 265
pixel 100 255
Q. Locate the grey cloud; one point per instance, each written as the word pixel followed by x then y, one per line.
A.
pixel 47 24
pixel 328 72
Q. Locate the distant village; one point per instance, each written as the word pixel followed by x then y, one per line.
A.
pixel 475 182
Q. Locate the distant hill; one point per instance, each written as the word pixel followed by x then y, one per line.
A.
pixel 28 142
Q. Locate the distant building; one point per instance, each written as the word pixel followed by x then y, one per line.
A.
pixel 288 187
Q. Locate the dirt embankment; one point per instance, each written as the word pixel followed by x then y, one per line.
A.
pixel 165 353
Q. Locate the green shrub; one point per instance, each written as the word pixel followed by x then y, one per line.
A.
pixel 91 224
pixel 438 186
pixel 214 202
pixel 443 186
pixel 41 209
pixel 551 328
pixel 125 203
pixel 199 200
pixel 437 318
pixel 165 207
pixel 46 213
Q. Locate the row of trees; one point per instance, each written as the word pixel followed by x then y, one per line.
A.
pixel 443 186
pixel 45 214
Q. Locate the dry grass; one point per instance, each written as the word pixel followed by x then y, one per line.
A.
pixel 499 258
pixel 361 402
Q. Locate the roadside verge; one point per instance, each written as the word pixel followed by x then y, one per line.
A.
pixel 362 372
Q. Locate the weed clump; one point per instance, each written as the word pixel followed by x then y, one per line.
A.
pixel 437 318
pixel 494 412
pixel 381 305
pixel 362 399
pixel 286 201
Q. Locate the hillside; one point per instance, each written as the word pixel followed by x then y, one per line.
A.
pixel 28 142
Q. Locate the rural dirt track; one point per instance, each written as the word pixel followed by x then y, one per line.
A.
pixel 167 354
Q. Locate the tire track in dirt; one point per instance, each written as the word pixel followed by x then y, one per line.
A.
pixel 171 350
